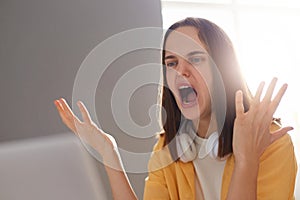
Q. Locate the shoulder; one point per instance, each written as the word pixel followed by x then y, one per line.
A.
pixel 160 157
pixel 281 147
pixel 280 154
pixel 160 142
pixel 278 168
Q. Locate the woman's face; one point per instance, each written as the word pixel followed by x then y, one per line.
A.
pixel 188 72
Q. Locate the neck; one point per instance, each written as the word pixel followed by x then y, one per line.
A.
pixel 206 126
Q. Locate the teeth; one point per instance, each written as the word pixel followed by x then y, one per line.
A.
pixel 184 87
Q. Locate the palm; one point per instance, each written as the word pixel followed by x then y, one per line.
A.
pixel 86 130
pixel 251 134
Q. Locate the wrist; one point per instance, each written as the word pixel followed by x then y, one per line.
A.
pixel 249 167
pixel 112 159
pixel 246 161
pixel 110 153
pixel 243 180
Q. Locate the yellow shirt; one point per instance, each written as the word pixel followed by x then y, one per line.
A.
pixel 176 180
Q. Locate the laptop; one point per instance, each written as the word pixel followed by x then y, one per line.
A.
pixel 54 167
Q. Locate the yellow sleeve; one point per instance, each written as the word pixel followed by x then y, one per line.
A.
pixel 277 171
pixel 155 183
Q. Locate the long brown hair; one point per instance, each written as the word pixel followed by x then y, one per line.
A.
pixel 221 51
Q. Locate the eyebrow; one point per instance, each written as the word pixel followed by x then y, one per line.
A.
pixel 189 54
pixel 195 52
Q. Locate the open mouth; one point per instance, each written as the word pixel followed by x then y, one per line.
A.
pixel 188 95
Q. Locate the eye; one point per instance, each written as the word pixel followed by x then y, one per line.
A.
pixel 196 60
pixel 171 63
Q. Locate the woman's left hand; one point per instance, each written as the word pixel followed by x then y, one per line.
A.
pixel 251 134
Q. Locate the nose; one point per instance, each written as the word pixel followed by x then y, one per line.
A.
pixel 183 68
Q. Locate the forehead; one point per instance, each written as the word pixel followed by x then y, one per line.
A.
pixel 183 40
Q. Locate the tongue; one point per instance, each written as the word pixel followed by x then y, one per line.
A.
pixel 191 97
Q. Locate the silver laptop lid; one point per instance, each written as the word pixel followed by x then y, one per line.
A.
pixel 47 168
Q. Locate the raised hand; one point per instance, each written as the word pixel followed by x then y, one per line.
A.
pixel 251 135
pixel 86 130
pixel 103 143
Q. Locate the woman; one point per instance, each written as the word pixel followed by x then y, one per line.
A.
pixel 212 146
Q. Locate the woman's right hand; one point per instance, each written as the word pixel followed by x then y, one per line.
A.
pixel 103 143
pixel 86 130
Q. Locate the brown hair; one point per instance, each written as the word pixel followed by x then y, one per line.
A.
pixel 221 51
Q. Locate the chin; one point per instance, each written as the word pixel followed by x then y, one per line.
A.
pixel 191 114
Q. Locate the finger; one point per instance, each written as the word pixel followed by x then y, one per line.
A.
pixel 68 111
pixel 279 133
pixel 58 106
pixel 60 109
pixel 274 104
pixel 61 112
pixel 259 92
pixel 84 112
pixel 278 96
pixel 239 106
pixel 270 90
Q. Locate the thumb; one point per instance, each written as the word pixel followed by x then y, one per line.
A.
pixel 279 133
